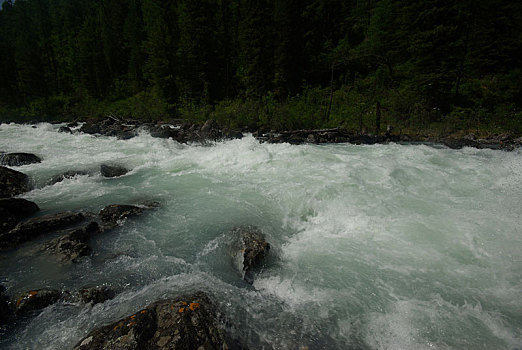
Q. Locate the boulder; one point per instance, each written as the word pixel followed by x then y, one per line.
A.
pixel 91 128
pixel 65 129
pixel 32 228
pixel 112 170
pixel 36 300
pixel 17 159
pixel 184 323
pixel 66 175
pixel 12 182
pixel 114 213
pixel 13 210
pixel 73 244
pixel 250 251
pixel 6 312
pixel 210 130
pixel 95 295
pixel 460 143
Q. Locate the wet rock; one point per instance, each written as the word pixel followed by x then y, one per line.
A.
pixel 36 300
pixel 66 175
pixel 251 250
pixel 184 323
pixel 17 159
pixel 13 210
pixel 210 130
pixel 32 228
pixel 12 182
pixel 91 128
pixel 65 129
pixel 460 143
pixel 72 125
pixel 95 295
pixel 114 213
pixel 73 244
pixel 6 312
pixel 112 170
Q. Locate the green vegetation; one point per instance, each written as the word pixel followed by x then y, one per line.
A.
pixel 433 65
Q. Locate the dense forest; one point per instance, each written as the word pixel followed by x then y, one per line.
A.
pixel 279 64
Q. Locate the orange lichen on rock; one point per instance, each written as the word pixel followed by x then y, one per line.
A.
pixel 183 303
pixel 194 306
pixel 32 293
pixel 181 309
pixel 143 311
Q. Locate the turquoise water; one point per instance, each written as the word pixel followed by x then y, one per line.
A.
pixel 374 247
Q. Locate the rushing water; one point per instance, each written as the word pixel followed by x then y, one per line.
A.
pixel 374 247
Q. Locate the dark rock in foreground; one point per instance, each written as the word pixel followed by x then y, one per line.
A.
pixel 74 244
pixel 112 170
pixel 6 312
pixel 252 249
pixel 32 228
pixel 184 323
pixel 66 175
pixel 36 299
pixel 65 129
pixel 12 182
pixel 17 159
pixel 13 210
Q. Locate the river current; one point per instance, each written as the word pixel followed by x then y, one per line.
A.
pixel 373 247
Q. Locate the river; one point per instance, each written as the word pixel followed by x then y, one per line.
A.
pixel 373 247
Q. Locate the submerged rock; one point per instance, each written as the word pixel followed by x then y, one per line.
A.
pixel 13 210
pixel 66 175
pixel 112 170
pixel 184 323
pixel 12 182
pixel 73 244
pixel 36 300
pixel 251 250
pixel 32 228
pixel 17 159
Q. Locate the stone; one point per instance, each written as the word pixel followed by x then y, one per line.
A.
pixel 72 245
pixel 35 227
pixel 116 212
pixel 65 129
pixel 6 312
pixel 251 250
pixel 70 174
pixel 12 182
pixel 17 159
pixel 184 323
pixel 36 299
pixel 13 210
pixel 112 170
pixel 95 295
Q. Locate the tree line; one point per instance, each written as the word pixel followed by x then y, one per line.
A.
pixel 265 63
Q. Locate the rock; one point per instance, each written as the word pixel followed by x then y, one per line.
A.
pixel 185 323
pixel 112 170
pixel 114 213
pixel 251 250
pixel 91 128
pixel 210 130
pixel 460 143
pixel 12 182
pixel 65 129
pixel 32 228
pixel 72 125
pixel 233 134
pixel 17 159
pixel 13 210
pixel 95 295
pixel 36 300
pixel 312 138
pixel 66 175
pixel 74 244
pixel 6 312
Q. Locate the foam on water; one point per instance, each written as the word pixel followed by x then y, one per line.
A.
pixel 374 247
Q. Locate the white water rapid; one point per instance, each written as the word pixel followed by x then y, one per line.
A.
pixel 373 247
